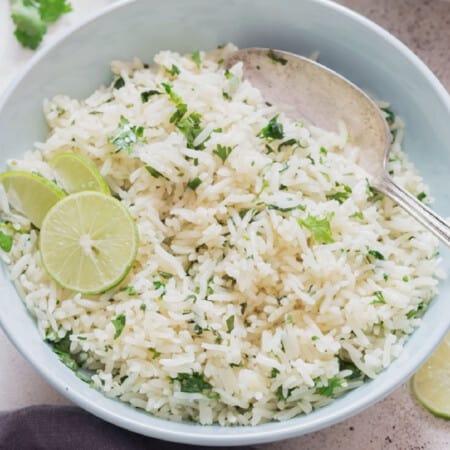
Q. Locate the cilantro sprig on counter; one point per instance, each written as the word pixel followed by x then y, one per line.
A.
pixel 31 18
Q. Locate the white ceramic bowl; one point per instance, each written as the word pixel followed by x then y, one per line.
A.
pixel 348 43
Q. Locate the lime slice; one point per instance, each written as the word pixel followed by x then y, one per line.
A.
pixel 431 383
pixel 30 194
pixel 76 174
pixel 88 242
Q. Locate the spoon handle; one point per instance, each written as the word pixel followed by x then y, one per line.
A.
pixel 422 213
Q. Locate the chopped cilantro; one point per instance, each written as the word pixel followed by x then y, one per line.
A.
pixel 226 95
pixel 357 215
pixel 119 324
pixel 198 329
pixel 193 382
pixel 32 17
pixel 345 365
pixel 196 58
pixel 405 279
pixel 230 324
pixel 372 194
pixel 227 74
pixel 143 307
pixel 190 127
pixel 194 184
pixel 273 130
pixel 174 98
pixel 379 298
pixel 332 384
pixel 159 285
pixel 156 354
pixel 6 241
pixel 274 372
pixel 180 111
pixel 174 70
pixel 119 83
pixel 315 338
pixel 280 395
pixel 287 209
pixel 129 290
pixel 390 116
pixel 376 254
pixel 287 143
pixel 319 228
pixel 243 307
pixel 223 152
pixel 421 196
pixel 165 275
pixel 340 195
pixel 145 96
pixel 154 173
pixel 323 150
pixel 127 136
pixel 414 312
pixel 276 58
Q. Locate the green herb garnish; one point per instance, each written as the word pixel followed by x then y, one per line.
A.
pixel 173 97
pixel 119 83
pixel 6 241
pixel 390 116
pixel 273 130
pixel 145 96
pixel 127 136
pixel 196 58
pixel 379 298
pixel 287 209
pixel 319 228
pixel 154 173
pixel 274 372
pixel 193 382
pixel 156 354
pixel 180 111
pixel 276 58
pixel 421 196
pixel 340 195
pixel 414 312
pixel 332 384
pixel 194 184
pixel 223 152
pixel 174 70
pixel 31 18
pixel 287 143
pixel 376 254
pixel 357 215
pixel 230 324
pixel 190 127
pixel 119 324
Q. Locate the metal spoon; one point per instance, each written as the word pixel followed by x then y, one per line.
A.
pixel 302 88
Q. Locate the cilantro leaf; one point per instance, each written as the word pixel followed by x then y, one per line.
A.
pixel 194 184
pixel 379 298
pixel 30 28
pixel 154 173
pixel 173 97
pixel 421 196
pixel 31 18
pixel 119 83
pixel 274 372
pixel 230 324
pixel 5 241
pixel 174 70
pixel 51 10
pixel 319 228
pixel 193 382
pixel 196 58
pixel 332 384
pixel 390 116
pixel 273 130
pixel 376 254
pixel 119 324
pixel 341 194
pixel 276 58
pixel 190 128
pixel 127 136
pixel 180 111
pixel 223 152
pixel 145 96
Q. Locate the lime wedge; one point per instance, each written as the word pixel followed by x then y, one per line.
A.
pixel 431 383
pixel 30 194
pixel 88 242
pixel 76 174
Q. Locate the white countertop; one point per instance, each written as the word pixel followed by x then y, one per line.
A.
pixel 394 423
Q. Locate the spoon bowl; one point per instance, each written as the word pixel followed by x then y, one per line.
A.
pixel 304 89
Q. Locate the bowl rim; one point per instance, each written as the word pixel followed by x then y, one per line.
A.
pixel 191 433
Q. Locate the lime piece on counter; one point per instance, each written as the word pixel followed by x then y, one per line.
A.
pixel 30 194
pixel 431 383
pixel 88 242
pixel 76 173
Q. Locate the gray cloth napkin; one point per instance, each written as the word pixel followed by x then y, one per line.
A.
pixel 70 428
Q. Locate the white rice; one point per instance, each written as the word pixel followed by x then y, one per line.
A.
pixel 299 307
